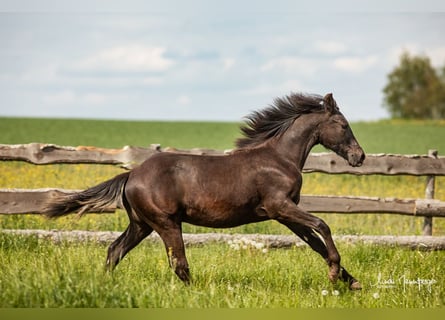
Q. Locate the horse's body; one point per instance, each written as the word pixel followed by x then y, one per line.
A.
pixel 260 180
pixel 229 197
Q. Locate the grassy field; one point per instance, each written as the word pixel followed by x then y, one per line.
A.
pixel 38 273
pixel 71 275
pixel 116 134
pixel 388 136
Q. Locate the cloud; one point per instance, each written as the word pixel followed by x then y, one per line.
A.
pixel 94 98
pixel 437 56
pixel 330 47
pixel 355 64
pixel 70 98
pixel 274 89
pixel 152 81
pixel 291 64
pixel 436 53
pixel 395 52
pixel 59 98
pixel 228 63
pixel 127 58
pixel 183 100
pixel 39 75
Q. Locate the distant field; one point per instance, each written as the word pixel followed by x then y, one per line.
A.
pixel 391 136
pixel 116 134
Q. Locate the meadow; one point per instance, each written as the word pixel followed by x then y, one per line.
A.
pixel 38 273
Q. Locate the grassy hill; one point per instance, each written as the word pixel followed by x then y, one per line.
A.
pixel 115 134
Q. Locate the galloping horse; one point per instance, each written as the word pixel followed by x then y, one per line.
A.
pixel 260 180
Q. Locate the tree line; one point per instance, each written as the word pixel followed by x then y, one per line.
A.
pixel 415 90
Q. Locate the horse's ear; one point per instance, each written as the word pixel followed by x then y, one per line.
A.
pixel 329 103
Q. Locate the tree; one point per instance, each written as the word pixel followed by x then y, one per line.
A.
pixel 415 89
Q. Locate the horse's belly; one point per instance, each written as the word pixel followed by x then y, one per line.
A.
pixel 221 218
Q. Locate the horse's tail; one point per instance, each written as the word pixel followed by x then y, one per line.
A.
pixel 95 199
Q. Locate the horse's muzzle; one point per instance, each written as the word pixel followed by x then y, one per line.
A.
pixel 356 157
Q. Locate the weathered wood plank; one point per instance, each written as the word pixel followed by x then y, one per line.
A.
pixel 349 204
pixel 269 241
pixel 429 194
pixel 25 201
pixel 128 157
pixel 37 153
pixel 384 164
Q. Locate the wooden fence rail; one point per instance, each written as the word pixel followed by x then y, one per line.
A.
pixel 128 157
pixel 19 201
pixel 25 201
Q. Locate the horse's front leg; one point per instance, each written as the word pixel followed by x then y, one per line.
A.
pixel 289 214
pixel 317 244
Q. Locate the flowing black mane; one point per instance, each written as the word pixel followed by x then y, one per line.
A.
pixel 277 118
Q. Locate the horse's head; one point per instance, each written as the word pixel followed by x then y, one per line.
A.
pixel 336 134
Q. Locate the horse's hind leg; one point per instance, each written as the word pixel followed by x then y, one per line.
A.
pixel 131 237
pixel 174 244
pixel 316 243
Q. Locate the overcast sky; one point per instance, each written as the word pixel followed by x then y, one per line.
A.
pixel 203 60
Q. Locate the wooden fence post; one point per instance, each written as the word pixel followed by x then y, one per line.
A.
pixel 429 194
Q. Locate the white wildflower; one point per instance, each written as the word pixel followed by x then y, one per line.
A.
pixel 245 243
pixel 324 292
pixel 259 245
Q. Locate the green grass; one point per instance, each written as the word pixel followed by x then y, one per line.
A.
pixel 401 136
pixel 389 136
pixel 116 134
pixel 39 273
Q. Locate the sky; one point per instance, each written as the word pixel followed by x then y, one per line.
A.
pixel 204 60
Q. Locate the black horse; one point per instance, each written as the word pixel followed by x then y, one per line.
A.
pixel 260 180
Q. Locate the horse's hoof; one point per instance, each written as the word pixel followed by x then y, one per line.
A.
pixel 355 285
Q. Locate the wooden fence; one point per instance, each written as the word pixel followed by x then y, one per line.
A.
pixel 24 201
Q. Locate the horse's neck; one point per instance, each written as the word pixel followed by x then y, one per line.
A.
pixel 296 143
